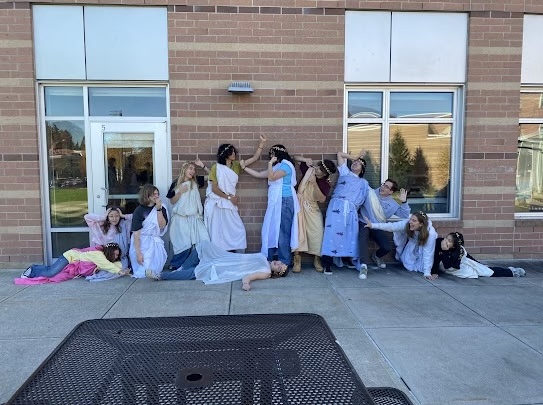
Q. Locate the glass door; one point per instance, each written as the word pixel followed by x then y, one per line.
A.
pixel 125 157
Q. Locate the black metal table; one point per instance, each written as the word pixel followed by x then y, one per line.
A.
pixel 233 359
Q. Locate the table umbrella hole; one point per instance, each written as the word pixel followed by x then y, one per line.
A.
pixel 194 377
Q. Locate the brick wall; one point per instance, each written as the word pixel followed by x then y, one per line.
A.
pixel 292 54
pixel 293 61
pixel 20 212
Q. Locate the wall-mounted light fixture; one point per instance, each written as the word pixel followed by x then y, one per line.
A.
pixel 240 88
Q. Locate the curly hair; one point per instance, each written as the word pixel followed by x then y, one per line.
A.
pixel 281 153
pixel 224 151
pixel 181 178
pixel 327 167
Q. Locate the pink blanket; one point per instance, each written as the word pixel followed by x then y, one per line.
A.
pixel 72 270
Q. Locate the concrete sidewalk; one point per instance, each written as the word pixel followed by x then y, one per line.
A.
pixel 451 341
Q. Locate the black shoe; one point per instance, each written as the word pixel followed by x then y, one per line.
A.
pixel 349 263
pixel 328 270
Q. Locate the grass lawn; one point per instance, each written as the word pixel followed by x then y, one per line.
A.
pixel 61 195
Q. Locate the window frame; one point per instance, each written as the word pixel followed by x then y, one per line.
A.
pixel 42 120
pixel 528 89
pixel 457 138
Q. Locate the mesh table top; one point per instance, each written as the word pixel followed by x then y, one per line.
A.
pixel 230 359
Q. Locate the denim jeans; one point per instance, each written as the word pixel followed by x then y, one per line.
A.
pixel 380 237
pixel 283 250
pixel 41 270
pixel 179 258
pixel 186 271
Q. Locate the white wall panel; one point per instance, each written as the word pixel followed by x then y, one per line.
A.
pixel 429 47
pixel 59 47
pixel 367 46
pixel 126 43
pixel 532 55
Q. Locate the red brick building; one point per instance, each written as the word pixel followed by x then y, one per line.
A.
pixel 455 87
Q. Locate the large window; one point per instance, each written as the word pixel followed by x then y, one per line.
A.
pixel 413 137
pixel 529 184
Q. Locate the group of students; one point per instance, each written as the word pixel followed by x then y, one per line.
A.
pixel 209 239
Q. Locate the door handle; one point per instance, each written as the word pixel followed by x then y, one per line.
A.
pixel 106 196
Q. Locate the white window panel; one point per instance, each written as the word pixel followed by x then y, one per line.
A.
pixel 532 57
pixel 429 47
pixel 126 43
pixel 59 43
pixel 367 46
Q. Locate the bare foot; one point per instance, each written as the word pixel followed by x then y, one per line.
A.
pixel 246 286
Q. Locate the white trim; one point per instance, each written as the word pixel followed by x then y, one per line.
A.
pixel 87 120
pixel 456 122
pixel 528 89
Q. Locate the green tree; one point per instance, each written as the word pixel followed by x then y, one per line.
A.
pixel 420 176
pixel 400 164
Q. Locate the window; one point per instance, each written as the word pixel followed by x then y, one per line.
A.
pixel 413 137
pixel 529 182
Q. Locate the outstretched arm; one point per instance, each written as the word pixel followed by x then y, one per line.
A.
pixel 343 156
pixel 257 152
pixel 253 276
pixel 259 175
pixel 307 161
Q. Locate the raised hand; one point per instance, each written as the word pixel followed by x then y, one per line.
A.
pixel 403 195
pixel 199 163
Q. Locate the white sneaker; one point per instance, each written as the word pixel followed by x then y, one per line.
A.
pixel 150 274
pixel 381 264
pixel 26 273
pixel 363 272
pixel 517 271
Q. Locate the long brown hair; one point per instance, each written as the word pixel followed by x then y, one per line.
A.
pixel 109 251
pixel 106 225
pixel 423 231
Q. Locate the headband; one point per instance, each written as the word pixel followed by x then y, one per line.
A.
pixel 230 146
pixel 113 245
pixel 279 149
pixel 325 168
pixel 279 273
pixel 460 238
pixel 362 161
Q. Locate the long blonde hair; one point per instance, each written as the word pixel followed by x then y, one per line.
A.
pixel 181 178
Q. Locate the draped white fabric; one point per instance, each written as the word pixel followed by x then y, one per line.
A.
pixel 219 266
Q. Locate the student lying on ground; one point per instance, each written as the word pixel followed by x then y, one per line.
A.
pixel 452 258
pixel 76 263
pixel 214 265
